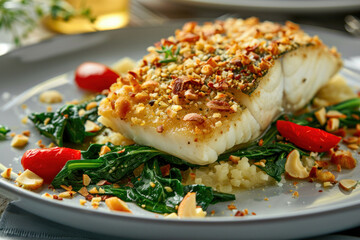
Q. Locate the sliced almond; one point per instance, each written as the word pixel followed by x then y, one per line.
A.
pixel 321 116
pixel 7 173
pixel 90 126
pixel 348 184
pixel 91 105
pixel 104 149
pixel 29 180
pixel 93 191
pixel 332 124
pixel 294 167
pixel 335 114
pixel 116 204
pixel 86 180
pixel 83 191
pixel 188 209
pixel 172 215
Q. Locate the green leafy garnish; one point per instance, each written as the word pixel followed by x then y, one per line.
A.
pixel 66 124
pixel 169 56
pixel 15 13
pixel 3 131
pixel 160 194
pixel 113 166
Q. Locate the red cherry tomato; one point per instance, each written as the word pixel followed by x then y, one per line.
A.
pixel 48 162
pixel 308 138
pixel 95 77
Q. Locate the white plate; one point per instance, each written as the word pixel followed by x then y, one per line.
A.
pixel 26 72
pixel 294 6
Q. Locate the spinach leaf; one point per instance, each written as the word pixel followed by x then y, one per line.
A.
pixel 156 193
pixel 3 131
pixel 66 124
pixel 112 166
pixel 275 152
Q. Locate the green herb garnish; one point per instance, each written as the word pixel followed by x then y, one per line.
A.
pixel 15 13
pixel 168 54
pixel 3 131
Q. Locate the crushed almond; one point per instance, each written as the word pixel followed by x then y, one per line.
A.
pixel 7 173
pixel 51 96
pixel 19 141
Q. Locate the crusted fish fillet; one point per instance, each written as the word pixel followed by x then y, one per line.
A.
pixel 211 87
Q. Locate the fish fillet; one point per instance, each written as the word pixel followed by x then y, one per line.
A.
pixel 211 87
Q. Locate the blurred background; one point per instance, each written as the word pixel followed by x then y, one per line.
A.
pixel 24 22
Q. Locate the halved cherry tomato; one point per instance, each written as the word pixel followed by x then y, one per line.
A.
pixel 48 162
pixel 308 138
pixel 95 77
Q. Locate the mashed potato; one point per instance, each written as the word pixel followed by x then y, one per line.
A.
pixel 229 177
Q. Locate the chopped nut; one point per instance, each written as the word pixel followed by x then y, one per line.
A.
pixel 344 159
pixel 231 207
pixel 29 180
pixel 67 194
pixel 325 176
pixel 171 215
pixel 51 96
pixel 103 150
pixel 81 112
pixel 294 167
pixel 234 159
pixel 327 184
pixel 218 124
pixel 350 140
pixel 295 194
pixel 19 141
pixel 47 195
pixel 216 115
pixel 26 133
pixel 46 121
pixel 171 113
pixel 91 105
pixel 175 99
pixel 188 209
pixel 93 190
pixel 83 191
pixel 190 95
pixel 24 120
pixel 7 173
pixel 194 117
pixel 261 164
pixel 67 188
pixel 116 204
pixel 353 146
pixel 160 129
pixel 90 126
pixel 86 180
pixel 168 189
pixel 218 105
pixel 335 114
pixel 176 108
pixel 321 116
pixel 348 184
pixel 332 124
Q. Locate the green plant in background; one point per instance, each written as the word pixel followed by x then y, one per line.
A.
pixel 26 13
